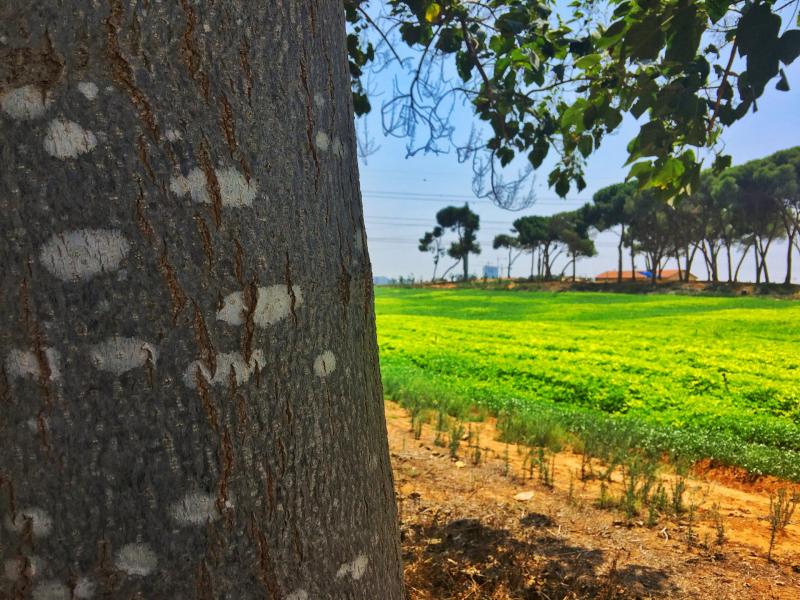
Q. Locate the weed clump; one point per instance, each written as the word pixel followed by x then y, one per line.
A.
pixel 782 505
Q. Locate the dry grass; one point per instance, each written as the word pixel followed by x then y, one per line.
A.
pixel 464 536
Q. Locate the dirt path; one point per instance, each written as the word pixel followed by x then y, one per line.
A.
pixel 466 536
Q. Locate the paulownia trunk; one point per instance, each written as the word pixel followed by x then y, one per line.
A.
pixel 190 400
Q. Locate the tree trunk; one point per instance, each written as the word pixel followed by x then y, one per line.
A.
pixel 633 263
pixel 713 261
pixel 790 250
pixel 619 253
pixel 546 263
pixel 574 265
pixel 730 263
pixel 689 262
pixel 533 261
pixel 758 262
pixel 466 267
pixel 191 400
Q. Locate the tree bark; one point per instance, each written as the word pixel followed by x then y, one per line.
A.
pixel 758 263
pixel 190 399
pixel 574 266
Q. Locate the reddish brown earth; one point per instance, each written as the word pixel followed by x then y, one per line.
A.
pixel 791 292
pixel 464 534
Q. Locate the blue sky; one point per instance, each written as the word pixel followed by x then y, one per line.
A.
pixel 402 195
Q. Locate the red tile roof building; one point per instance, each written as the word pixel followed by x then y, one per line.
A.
pixel 666 275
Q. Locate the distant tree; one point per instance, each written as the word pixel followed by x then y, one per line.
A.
pixel 754 190
pixel 465 224
pixel 432 242
pixel 684 227
pixel 612 207
pixel 715 229
pixel 574 235
pixel 786 184
pixel 534 235
pixel 650 231
pixel 511 242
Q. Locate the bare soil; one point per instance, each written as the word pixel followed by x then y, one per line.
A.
pixel 640 286
pixel 465 535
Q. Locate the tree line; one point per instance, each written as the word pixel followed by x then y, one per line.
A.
pixel 746 208
pixel 739 213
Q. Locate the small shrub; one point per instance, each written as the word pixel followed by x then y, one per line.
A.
pixel 678 489
pixel 719 525
pixel 456 434
pixel 781 509
pixel 604 500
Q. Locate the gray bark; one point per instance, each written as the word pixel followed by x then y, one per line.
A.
pixel 190 399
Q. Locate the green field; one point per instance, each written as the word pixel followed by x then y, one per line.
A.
pixel 692 376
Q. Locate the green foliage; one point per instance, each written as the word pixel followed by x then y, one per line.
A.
pixel 541 75
pixel 552 235
pixel 675 375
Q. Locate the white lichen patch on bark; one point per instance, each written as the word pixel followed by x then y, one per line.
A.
pixel 81 254
pixel 24 363
pixel 25 103
pixel 173 135
pixel 22 567
pixel 225 362
pixel 67 139
pixel 119 355
pixel 324 364
pixel 195 508
pixel 298 595
pixel 194 184
pixel 319 100
pixel 50 590
pixel 234 188
pixel 88 89
pixel 274 304
pixel 322 140
pixel 355 569
pixel 40 522
pixel 136 559
pixel 84 588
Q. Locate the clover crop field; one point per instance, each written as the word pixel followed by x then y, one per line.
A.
pixel 692 376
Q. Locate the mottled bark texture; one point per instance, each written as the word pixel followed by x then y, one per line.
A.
pixel 190 401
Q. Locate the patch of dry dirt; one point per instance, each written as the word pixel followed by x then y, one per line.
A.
pixel 464 535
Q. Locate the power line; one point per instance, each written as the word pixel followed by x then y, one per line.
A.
pixel 422 220
pixel 439 198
